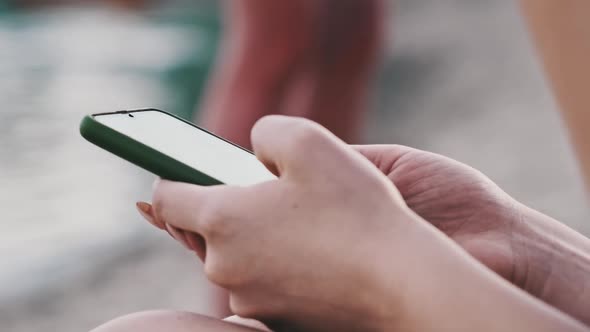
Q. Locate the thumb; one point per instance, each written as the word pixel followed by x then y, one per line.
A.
pixel 295 146
pixel 384 156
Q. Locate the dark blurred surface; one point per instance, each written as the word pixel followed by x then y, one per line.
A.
pixel 460 79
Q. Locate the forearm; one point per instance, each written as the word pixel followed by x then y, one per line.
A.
pixel 448 290
pixel 555 263
pixel 561 30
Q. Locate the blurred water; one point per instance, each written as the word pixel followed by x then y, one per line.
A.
pixel 59 195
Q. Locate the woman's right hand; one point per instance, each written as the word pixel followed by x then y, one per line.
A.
pixel 331 245
pixel 306 250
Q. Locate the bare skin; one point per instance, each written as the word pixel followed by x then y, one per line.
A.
pixel 522 245
pixel 392 300
pixel 534 252
pixel 561 30
pixel 309 58
pixel 556 255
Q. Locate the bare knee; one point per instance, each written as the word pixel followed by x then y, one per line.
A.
pixel 173 321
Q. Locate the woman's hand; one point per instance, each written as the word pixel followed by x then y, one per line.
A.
pixel 458 200
pixel 531 250
pixel 304 248
pixel 331 246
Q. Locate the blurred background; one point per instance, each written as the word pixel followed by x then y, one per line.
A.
pixel 459 77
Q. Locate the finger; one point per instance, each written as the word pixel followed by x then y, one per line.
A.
pixel 294 145
pixel 383 156
pixel 190 240
pixel 147 212
pixel 205 210
pixel 145 209
pixel 197 244
pixel 178 235
pixel 179 205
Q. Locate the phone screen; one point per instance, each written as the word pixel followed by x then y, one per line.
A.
pixel 190 145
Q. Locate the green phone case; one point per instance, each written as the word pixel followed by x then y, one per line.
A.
pixel 141 154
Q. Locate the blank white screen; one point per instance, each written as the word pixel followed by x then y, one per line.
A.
pixel 191 146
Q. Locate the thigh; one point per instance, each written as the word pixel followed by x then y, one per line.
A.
pixel 177 321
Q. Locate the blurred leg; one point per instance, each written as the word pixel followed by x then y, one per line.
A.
pixel 172 321
pixel 261 42
pixel 331 82
pixel 309 58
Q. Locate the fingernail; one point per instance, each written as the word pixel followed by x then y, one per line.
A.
pixel 145 209
pixel 177 235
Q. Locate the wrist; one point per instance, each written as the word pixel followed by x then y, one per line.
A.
pixel 432 284
pixel 552 263
pixel 414 263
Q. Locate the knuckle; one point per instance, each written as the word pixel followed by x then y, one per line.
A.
pixel 263 127
pixel 227 270
pixel 265 122
pixel 212 273
pixel 212 218
pixel 219 274
pixel 299 131
pixel 305 134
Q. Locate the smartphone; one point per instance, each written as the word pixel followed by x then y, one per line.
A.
pixel 173 149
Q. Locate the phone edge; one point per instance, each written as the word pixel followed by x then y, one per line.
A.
pixel 176 117
pixel 136 152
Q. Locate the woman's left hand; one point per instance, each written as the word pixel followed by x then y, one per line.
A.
pixel 293 249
